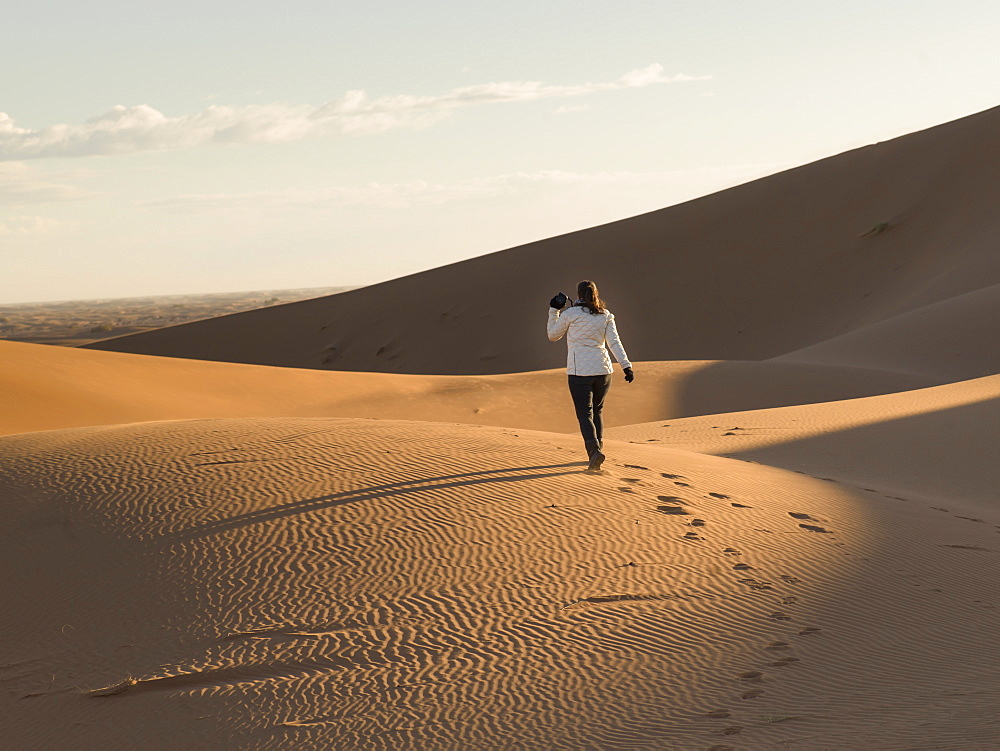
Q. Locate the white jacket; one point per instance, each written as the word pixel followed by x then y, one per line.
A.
pixel 586 334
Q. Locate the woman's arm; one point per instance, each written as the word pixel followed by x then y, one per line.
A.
pixel 615 343
pixel 558 324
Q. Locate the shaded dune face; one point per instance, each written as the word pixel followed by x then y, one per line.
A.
pixel 749 273
pixel 343 583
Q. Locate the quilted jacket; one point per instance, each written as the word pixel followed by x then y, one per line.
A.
pixel 586 334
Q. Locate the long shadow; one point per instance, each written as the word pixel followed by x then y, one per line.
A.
pixel 378 491
pixel 736 386
pixel 946 451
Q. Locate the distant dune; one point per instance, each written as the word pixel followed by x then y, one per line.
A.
pixel 749 273
pixel 794 543
pixel 46 388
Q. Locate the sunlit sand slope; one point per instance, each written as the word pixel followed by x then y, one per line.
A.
pixel 45 388
pixel 354 584
pixel 745 274
pixel 936 444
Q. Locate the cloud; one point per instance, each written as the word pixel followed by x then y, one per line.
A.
pixel 21 226
pixel 19 184
pixel 662 187
pixel 567 109
pixel 125 130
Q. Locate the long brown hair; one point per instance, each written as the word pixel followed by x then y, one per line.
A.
pixel 589 297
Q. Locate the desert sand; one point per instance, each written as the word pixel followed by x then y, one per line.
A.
pixel 229 535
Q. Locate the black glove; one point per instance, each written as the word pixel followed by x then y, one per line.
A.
pixel 558 302
pixel 629 375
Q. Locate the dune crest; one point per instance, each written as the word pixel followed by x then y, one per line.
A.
pixel 48 388
pixel 748 273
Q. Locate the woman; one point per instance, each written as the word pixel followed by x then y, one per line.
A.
pixel 588 325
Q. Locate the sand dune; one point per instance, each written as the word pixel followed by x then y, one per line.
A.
pixel 47 388
pixel 325 583
pixel 794 544
pixel 749 273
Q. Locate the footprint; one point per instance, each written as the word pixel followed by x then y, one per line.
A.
pixel 779 616
pixel 966 547
pixel 634 466
pixel 693 536
pixel 813 528
pixel 739 505
pixel 789 600
pixel 752 693
pixel 732 551
pixel 626 490
pixel 733 730
pixel 778 645
pixel 718 714
pixel 789 579
pixel 669 498
pixel 682 484
pixel 672 510
pixel 751 675
pixel 756 584
pixel 783 661
pixel 697 523
pixel 631 479
pixel 795 515
pixel 971 519
pixel 671 477
pixel 720 496
pixel 743 567
pixel 808 630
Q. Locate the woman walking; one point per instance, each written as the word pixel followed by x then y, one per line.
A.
pixel 588 325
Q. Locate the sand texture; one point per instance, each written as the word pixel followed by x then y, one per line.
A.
pixel 342 524
pixel 339 583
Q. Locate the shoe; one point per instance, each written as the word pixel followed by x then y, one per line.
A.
pixel 596 456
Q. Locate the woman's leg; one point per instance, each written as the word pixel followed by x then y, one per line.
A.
pixel 600 390
pixel 581 389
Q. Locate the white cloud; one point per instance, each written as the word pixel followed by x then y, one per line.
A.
pixel 567 109
pixel 19 184
pixel 124 130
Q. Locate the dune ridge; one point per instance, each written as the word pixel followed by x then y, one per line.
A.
pixel 47 388
pixel 749 273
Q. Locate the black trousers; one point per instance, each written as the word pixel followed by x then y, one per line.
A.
pixel 588 394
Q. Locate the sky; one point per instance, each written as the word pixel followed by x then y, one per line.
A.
pixel 190 147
